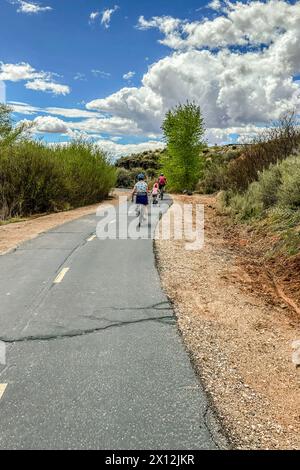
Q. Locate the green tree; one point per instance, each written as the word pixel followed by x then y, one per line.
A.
pixel 8 132
pixel 183 129
pixel 5 120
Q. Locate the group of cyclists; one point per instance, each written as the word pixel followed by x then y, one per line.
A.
pixel 142 192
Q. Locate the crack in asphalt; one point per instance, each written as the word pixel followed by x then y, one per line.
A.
pixel 208 427
pixel 36 303
pixel 158 306
pixel 167 319
pixel 217 435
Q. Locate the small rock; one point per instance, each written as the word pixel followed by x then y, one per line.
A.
pixel 296 353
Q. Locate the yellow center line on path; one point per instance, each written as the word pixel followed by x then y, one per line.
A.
pixel 2 389
pixel 92 238
pixel 61 275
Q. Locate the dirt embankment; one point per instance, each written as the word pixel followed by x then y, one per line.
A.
pixel 12 235
pixel 238 330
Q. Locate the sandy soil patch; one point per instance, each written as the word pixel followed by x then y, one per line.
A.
pixel 238 337
pixel 12 235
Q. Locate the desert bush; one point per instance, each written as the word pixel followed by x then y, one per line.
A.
pixel 124 178
pixel 213 178
pixel 89 176
pixel 289 191
pixel 269 182
pixel 148 162
pixel 271 146
pixel 246 206
pixel 37 178
pixel 30 181
pixel 276 191
pixel 215 163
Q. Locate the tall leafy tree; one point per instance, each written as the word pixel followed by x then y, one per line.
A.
pixel 183 129
pixel 5 120
pixel 9 132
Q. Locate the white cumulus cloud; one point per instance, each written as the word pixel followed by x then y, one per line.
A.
pixel 2 92
pixel 215 5
pixel 94 15
pixel 26 109
pixel 36 80
pixel 107 15
pixel 128 75
pixel 17 72
pixel 47 86
pixel 48 124
pixel 235 87
pixel 100 73
pixel 79 77
pixel 251 23
pixel 119 150
pixel 30 7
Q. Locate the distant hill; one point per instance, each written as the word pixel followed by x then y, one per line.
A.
pixel 147 162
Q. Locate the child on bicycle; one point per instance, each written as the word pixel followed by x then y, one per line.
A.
pixel 155 190
pixel 141 190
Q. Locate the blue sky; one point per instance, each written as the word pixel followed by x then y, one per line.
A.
pixel 70 54
pixel 63 41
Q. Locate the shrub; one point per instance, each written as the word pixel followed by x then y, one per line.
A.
pixel 30 181
pixel 37 178
pixel 289 191
pixel 276 191
pixel 269 182
pixel 247 206
pixel 149 163
pixel 88 172
pixel 124 178
pixel 272 146
pixel 213 178
pixel 134 174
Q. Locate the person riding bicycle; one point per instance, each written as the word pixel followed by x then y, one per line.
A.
pixel 155 191
pixel 162 181
pixel 141 190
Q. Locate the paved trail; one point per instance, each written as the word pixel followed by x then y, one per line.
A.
pixel 94 359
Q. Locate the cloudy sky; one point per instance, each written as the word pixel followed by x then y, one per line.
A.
pixel 111 69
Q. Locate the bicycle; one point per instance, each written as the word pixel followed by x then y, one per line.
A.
pixel 161 193
pixel 140 212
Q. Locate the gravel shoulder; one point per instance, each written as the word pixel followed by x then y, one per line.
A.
pixel 13 234
pixel 238 338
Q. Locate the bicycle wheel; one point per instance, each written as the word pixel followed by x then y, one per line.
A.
pixel 141 215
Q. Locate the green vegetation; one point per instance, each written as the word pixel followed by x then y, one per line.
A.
pixel 215 165
pixel 234 168
pixel 262 186
pixel 271 204
pixel 37 178
pixel 148 162
pixel 277 187
pixel 183 131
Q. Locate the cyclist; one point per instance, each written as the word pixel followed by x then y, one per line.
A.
pixel 162 181
pixel 155 190
pixel 141 190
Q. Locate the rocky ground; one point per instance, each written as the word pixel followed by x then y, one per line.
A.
pixel 238 329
